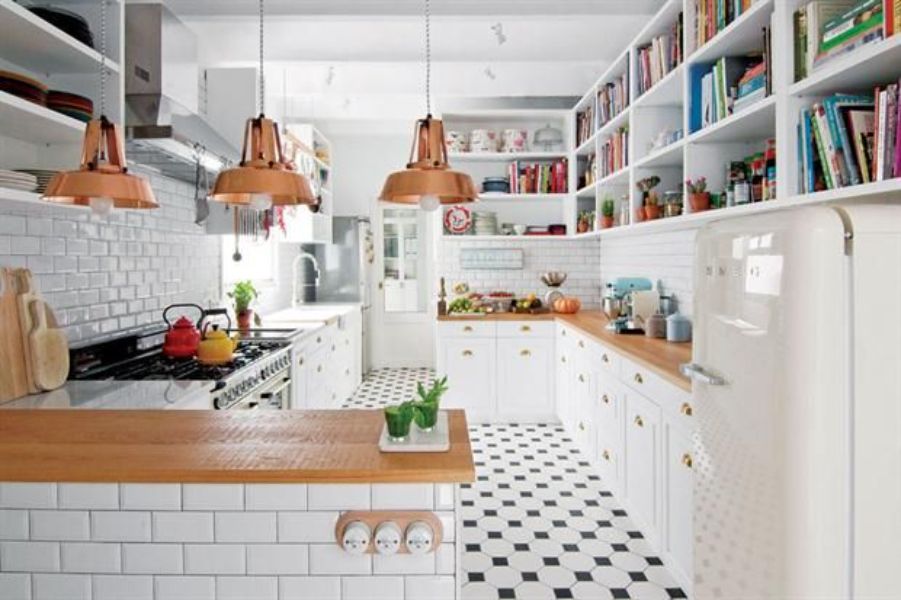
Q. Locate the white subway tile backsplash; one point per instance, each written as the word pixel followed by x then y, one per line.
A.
pixel 90 557
pixel 308 527
pixel 27 495
pixel 13 524
pixel 184 588
pixel 309 588
pixel 331 559
pixel 399 564
pixel 246 588
pixel 108 526
pixel 444 496
pixel 338 496
pixel 94 496
pixel 183 527
pixel 403 496
pixel 60 525
pixel 150 496
pixel 36 557
pixel 214 559
pixel 429 588
pixel 277 559
pixel 15 586
pixel 448 525
pixel 163 559
pixel 61 587
pixel 275 496
pixel 245 527
pixel 446 559
pixel 372 588
pixel 122 587
pixel 213 496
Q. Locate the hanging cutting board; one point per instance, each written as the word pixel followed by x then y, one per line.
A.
pixel 26 323
pixel 49 350
pixel 13 376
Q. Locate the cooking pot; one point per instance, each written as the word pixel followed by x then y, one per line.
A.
pixel 182 337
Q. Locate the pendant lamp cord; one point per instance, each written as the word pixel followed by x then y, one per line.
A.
pixel 428 58
pixel 102 69
pixel 262 77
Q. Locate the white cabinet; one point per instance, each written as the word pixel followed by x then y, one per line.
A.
pixel 525 378
pixel 642 465
pixel 327 364
pixel 609 431
pixel 470 367
pixel 678 464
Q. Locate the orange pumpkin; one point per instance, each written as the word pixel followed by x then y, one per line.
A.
pixel 567 305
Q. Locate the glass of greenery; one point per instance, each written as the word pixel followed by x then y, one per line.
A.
pixel 398 419
pixel 426 408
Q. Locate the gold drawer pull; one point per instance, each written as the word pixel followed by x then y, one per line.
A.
pixel 581 344
pixel 467 328
pixel 333 347
pixel 605 399
pixel 563 333
pixel 525 328
pixel 347 371
pixel 605 455
pixel 525 353
pixel 639 421
pixel 467 353
pixel 686 460
pixel 581 378
pixel 563 359
pixel 347 342
pixel 581 426
pixel 319 369
pixel 638 378
pixel 318 339
pixel 300 361
pixel 686 409
pixel 605 358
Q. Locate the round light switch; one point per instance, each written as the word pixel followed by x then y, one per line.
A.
pixel 356 537
pixel 419 537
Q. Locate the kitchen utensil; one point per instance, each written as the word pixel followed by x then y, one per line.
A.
pixel 678 328
pixel 553 278
pixel 216 348
pixel 26 322
pixel 655 327
pixel 667 305
pixel 201 188
pixel 236 256
pixel 183 336
pixel 49 350
pixel 13 378
pixel 552 296
pixel 515 140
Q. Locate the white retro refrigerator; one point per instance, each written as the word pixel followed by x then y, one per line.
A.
pixel 797 385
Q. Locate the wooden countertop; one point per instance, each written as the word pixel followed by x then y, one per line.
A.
pixel 218 446
pixel 658 356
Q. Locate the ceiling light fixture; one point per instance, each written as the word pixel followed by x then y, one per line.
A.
pixel 103 181
pixel 428 180
pixel 264 177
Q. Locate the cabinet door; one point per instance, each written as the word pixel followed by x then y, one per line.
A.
pixel 299 378
pixel 678 495
pixel 525 379
pixel 582 418
pixel 610 422
pixel 563 379
pixel 470 368
pixel 642 465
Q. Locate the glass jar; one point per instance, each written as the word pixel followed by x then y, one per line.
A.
pixel 672 203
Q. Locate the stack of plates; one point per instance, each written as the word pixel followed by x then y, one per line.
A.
pixel 18 181
pixel 23 87
pixel 485 223
pixel 42 176
pixel 67 21
pixel 73 105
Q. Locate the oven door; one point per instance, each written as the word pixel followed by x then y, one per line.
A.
pixel 274 395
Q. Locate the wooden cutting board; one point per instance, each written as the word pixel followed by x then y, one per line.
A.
pixel 26 323
pixel 49 350
pixel 13 376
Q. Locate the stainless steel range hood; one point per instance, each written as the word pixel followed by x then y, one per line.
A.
pixel 163 127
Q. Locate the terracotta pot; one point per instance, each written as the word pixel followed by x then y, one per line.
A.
pixel 652 212
pixel 583 226
pixel 606 222
pixel 639 215
pixel 699 202
pixel 245 319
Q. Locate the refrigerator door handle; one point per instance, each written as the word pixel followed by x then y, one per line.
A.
pixel 698 373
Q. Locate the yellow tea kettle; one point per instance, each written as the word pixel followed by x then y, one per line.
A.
pixel 216 347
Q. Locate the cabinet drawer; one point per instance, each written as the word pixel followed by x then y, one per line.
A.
pixel 609 403
pixel 465 329
pixel 641 379
pixel 609 467
pixel 607 360
pixel 525 329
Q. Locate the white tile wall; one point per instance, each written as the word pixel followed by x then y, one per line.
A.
pixel 579 259
pixel 101 275
pixel 134 553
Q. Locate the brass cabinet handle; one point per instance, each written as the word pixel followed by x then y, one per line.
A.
pixel 563 359
pixel 605 455
pixel 605 358
pixel 686 409
pixel 581 378
pixel 581 344
pixel 319 369
pixel 333 347
pixel 639 421
pixel 686 460
pixel 581 426
pixel 467 353
pixel 525 328
pixel 318 339
pixel 638 378
pixel 347 371
pixel 563 332
pixel 300 361
pixel 467 328
pixel 347 342
pixel 605 399
pixel 525 353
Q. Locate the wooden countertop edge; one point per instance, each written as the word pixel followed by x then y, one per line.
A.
pixel 665 369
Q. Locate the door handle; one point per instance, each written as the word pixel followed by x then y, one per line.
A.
pixel 698 373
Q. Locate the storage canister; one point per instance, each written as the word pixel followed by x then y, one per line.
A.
pixel 678 328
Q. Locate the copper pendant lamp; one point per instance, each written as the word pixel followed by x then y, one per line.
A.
pixel 264 176
pixel 428 179
pixel 103 181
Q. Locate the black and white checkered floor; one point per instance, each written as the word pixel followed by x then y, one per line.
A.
pixel 537 523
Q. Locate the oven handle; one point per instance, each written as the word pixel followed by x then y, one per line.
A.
pixel 286 381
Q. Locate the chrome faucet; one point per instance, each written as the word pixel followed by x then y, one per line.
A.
pixel 295 298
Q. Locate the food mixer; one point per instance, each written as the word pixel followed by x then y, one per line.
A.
pixel 618 306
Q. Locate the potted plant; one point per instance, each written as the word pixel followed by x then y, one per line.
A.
pixel 651 206
pixel 585 219
pixel 425 410
pixel 608 206
pixel 698 196
pixel 650 209
pixel 243 293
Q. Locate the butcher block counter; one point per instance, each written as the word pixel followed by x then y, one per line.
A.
pixel 219 447
pixel 659 356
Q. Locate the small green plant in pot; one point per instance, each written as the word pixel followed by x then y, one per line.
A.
pixel 608 206
pixel 243 294
pixel 425 410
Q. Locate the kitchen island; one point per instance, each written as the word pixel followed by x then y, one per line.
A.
pixel 218 504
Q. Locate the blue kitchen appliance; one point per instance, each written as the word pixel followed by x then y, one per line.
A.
pixel 617 303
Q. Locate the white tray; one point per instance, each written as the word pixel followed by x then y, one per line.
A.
pixel 437 440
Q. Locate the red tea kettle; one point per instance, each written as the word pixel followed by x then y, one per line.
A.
pixel 183 336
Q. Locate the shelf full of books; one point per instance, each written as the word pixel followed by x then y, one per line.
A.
pixel 544 177
pixel 713 16
pixel 613 153
pixel 613 98
pixel 825 30
pixel 661 55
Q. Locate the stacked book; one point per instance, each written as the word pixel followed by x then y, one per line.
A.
pixel 547 177
pixel 828 29
pixel 715 15
pixel 731 84
pixel 585 125
pixel 614 153
pixel 850 139
pixel 613 98
pixel 661 56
